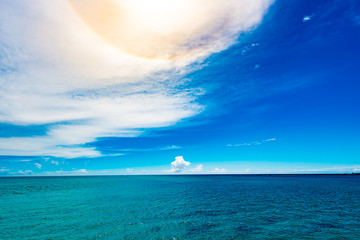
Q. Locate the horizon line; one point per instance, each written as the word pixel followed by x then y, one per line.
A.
pixel 210 174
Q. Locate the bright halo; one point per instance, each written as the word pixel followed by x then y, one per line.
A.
pixel 154 29
pixel 156 15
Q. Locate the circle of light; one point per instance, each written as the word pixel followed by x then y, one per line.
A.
pixel 152 29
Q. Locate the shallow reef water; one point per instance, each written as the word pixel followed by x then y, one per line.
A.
pixel 181 207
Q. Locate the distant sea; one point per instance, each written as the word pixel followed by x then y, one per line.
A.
pixel 181 207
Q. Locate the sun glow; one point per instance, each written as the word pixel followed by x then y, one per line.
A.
pixel 157 29
pixel 160 16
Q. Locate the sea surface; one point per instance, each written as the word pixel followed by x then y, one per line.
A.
pixel 181 207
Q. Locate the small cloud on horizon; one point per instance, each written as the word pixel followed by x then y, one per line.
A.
pixel 328 170
pixel 197 169
pixel 179 164
pixel 80 171
pixel 219 170
pixel 25 172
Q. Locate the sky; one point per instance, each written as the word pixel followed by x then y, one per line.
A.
pixel 113 87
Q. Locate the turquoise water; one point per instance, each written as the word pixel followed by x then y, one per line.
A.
pixel 180 207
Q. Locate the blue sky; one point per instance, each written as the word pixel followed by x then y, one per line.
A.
pixel 276 91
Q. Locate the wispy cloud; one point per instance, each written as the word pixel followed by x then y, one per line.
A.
pixel 80 171
pixel 163 148
pixel 25 172
pixel 56 70
pixel 38 165
pixel 342 169
pixel 55 162
pixel 251 143
pixel 74 172
pixel 197 169
pixel 248 48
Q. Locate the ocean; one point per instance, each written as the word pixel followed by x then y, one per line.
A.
pixel 181 207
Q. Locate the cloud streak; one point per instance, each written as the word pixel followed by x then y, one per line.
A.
pixel 38 165
pixel 251 143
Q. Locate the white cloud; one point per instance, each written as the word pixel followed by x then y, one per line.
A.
pixel 25 172
pixel 55 162
pixel 57 71
pixel 197 169
pixel 74 172
pixel 270 139
pixel 2 170
pixel 80 171
pixel 248 48
pixel 219 170
pixel 342 169
pixel 130 170
pixel 306 18
pixel 179 164
pixel 34 146
pixel 170 147
pixel 38 165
